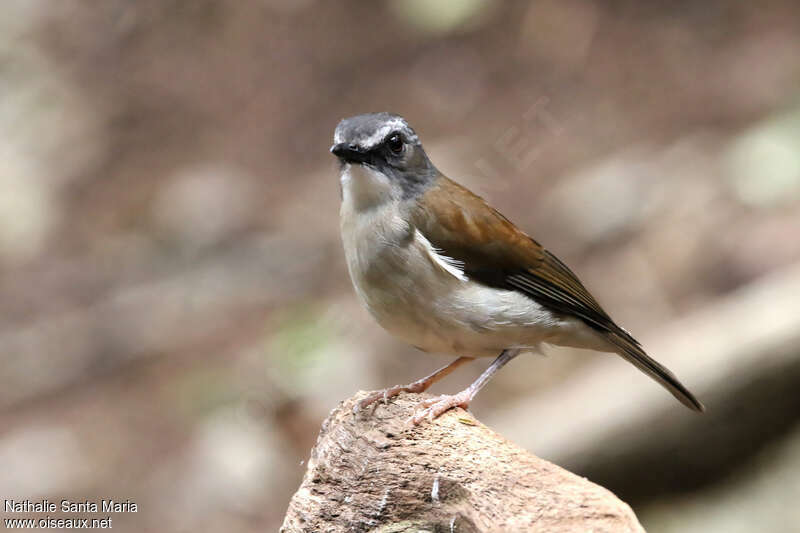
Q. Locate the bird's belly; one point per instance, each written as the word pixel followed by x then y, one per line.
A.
pixel 411 294
pixel 438 312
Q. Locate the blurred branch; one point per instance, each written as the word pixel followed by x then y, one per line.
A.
pixel 374 471
pixel 739 354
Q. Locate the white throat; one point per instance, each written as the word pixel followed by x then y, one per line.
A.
pixel 364 187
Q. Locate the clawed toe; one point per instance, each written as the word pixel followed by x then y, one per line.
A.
pixel 369 400
pixel 430 401
pixel 431 408
pixel 384 395
pixel 435 407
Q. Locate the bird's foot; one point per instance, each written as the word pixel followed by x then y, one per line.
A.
pixel 434 407
pixel 385 394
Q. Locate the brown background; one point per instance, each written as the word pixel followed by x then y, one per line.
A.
pixel 176 318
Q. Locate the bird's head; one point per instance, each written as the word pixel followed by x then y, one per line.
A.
pixel 384 143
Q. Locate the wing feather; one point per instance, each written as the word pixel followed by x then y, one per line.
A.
pixel 490 250
pixel 494 252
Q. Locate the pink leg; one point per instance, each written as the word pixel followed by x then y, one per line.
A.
pixel 436 406
pixel 421 385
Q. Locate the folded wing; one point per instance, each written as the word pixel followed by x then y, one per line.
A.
pixel 496 253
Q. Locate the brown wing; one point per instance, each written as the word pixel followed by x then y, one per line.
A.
pixel 496 253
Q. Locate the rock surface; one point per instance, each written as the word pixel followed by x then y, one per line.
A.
pixel 374 471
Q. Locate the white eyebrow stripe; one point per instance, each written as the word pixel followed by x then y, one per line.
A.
pixel 377 137
pixel 380 134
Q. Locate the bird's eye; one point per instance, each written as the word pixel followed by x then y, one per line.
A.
pixel 395 143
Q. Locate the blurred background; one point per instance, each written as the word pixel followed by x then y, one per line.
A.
pixel 176 317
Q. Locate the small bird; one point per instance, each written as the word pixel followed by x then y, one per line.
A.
pixel 442 270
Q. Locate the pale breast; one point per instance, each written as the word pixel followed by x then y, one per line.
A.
pixel 424 299
pixel 418 294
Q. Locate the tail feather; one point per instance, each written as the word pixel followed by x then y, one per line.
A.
pixel 633 352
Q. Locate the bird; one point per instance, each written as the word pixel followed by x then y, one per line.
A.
pixel 442 270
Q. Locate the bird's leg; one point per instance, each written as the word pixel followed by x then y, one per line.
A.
pixel 421 385
pixel 436 406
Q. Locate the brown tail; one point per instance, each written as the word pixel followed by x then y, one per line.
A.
pixel 633 352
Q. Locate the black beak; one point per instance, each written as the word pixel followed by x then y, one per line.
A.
pixel 350 153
